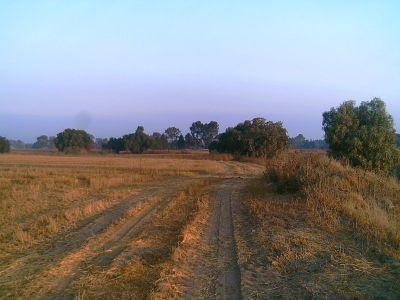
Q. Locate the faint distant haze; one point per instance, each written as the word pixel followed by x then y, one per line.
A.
pixel 108 66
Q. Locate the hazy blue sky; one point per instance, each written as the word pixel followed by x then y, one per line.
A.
pixel 108 66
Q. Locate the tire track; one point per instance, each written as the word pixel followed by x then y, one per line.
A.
pixel 27 269
pixel 228 279
pixel 111 247
pixel 215 273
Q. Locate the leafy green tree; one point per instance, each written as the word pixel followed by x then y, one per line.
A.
pixel 297 141
pixel 189 141
pixel 73 140
pixel 210 132
pixel 172 134
pixel 196 131
pixel 362 135
pixel 181 142
pixel 158 141
pixel 203 134
pixel 115 144
pixel 41 142
pixel 300 142
pixel 137 142
pixel 4 145
pixel 256 138
pixel 44 142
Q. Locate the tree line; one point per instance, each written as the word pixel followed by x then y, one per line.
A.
pixel 300 142
pixel 362 136
pixel 200 136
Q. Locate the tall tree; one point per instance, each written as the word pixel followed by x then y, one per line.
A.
pixel 204 134
pixel 158 141
pixel 210 132
pixel 115 144
pixel 137 142
pixel 172 134
pixel 41 142
pixel 4 145
pixel 297 141
pixel 73 140
pixel 362 135
pixel 181 142
pixel 196 130
pixel 189 141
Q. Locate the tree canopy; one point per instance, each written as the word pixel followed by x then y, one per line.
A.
pixel 137 142
pixel 73 140
pixel 172 135
pixel 4 145
pixel 362 135
pixel 115 144
pixel 256 138
pixel 202 134
pixel 300 142
pixel 44 142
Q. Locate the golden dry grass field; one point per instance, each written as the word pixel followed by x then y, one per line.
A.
pixel 195 226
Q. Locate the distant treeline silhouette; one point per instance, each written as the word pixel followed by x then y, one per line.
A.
pixel 363 136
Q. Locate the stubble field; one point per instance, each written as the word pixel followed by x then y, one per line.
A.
pixel 172 226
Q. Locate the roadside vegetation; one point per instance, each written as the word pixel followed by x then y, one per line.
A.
pixel 340 196
pixel 363 136
pixel 320 229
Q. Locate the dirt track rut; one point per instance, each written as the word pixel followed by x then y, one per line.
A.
pixel 108 249
pixel 228 285
pixel 214 272
pixel 47 255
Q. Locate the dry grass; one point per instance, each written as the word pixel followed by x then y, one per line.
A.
pixel 165 164
pixel 320 229
pixel 42 195
pixel 341 196
pixel 178 273
pixel 136 278
pixel 295 254
pixel 38 202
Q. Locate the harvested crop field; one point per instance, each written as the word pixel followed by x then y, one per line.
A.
pixel 159 227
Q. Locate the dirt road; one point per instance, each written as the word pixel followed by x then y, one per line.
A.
pixel 206 265
pixel 111 240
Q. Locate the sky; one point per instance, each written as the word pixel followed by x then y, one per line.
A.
pixel 109 66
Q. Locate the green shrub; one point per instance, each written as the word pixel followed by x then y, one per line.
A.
pixel 363 136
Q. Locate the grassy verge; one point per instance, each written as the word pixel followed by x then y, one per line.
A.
pixel 339 197
pixel 319 229
pixel 296 254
